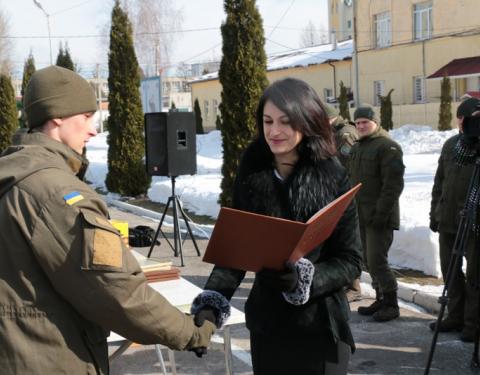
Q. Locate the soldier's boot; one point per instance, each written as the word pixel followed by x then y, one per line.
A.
pixel 389 309
pixel 354 291
pixel 374 307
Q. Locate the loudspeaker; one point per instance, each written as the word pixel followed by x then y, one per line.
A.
pixel 170 143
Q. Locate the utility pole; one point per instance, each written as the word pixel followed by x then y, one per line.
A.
pixel 355 54
pixel 99 96
pixel 39 6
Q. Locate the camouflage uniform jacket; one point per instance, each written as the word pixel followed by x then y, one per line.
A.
pixel 345 135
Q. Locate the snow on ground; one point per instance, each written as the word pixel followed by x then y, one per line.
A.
pixel 414 246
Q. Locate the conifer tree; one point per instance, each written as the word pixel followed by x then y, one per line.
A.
pixel 386 112
pixel 343 102
pixel 64 59
pixel 126 169
pixel 28 70
pixel 198 117
pixel 243 78
pixel 8 111
pixel 445 112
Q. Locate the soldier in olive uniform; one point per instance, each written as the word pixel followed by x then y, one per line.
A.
pixel 344 132
pixel 345 135
pixel 376 162
pixel 67 279
pixel 448 198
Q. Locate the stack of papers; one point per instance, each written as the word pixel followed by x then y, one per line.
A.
pixel 155 270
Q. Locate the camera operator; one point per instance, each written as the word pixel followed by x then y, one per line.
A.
pixel 448 198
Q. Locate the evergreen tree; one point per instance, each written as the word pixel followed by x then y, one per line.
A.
pixel 28 70
pixel 198 117
pixel 64 59
pixel 386 112
pixel 445 112
pixel 243 78
pixel 218 123
pixel 343 102
pixel 8 111
pixel 126 170
pixel 173 107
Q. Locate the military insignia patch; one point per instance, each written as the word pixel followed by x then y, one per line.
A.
pixel 107 248
pixel 72 198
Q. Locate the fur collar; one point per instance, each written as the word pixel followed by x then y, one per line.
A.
pixel 310 187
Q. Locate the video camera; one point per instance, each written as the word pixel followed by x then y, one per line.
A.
pixel 471 124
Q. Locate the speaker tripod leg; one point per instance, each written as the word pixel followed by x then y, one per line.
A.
pixel 176 231
pixel 185 219
pixel 159 230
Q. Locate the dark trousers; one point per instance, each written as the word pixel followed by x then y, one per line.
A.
pixel 376 244
pixel 463 296
pixel 289 356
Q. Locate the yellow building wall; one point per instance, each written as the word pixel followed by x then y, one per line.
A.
pixel 318 76
pixel 398 64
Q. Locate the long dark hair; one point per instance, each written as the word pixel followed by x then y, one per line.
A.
pixel 306 113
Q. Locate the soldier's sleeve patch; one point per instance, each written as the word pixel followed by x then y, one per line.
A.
pixel 72 198
pixel 107 249
pixel 103 247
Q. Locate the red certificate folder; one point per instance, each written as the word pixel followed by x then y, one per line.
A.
pixel 250 242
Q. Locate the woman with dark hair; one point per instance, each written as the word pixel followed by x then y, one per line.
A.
pixel 297 317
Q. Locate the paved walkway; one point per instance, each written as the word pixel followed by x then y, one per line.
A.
pixel 399 347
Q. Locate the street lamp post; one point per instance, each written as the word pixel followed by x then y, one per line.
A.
pixel 39 6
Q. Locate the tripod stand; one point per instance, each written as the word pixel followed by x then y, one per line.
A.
pixel 467 225
pixel 177 236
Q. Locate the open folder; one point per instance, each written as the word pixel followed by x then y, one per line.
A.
pixel 250 242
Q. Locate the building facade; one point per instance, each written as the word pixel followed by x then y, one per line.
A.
pixel 323 67
pixel 402 44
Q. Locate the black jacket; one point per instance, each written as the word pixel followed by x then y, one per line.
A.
pixel 337 261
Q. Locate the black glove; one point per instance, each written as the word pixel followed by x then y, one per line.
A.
pixel 285 280
pixel 207 313
pixel 434 225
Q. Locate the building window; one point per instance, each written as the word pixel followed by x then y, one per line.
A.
pixel 383 30
pixel 215 107
pixel 422 21
pixel 205 107
pixel 328 95
pixel 378 89
pixel 419 89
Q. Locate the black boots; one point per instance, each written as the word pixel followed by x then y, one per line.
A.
pixel 384 308
pixel 389 309
pixel 374 307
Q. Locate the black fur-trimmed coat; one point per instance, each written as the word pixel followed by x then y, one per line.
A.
pixel 337 261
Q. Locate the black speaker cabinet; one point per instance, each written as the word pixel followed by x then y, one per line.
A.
pixel 170 143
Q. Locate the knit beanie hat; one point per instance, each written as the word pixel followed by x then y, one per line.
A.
pixel 56 92
pixel 330 110
pixel 365 111
pixel 467 107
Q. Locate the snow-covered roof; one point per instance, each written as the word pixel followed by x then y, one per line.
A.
pixel 301 57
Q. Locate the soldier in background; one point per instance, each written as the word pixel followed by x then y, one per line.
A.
pixel 345 135
pixel 448 198
pixel 376 161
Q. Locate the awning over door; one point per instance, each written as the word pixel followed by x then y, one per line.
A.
pixel 459 68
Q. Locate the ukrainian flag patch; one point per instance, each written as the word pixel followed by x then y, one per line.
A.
pixel 72 198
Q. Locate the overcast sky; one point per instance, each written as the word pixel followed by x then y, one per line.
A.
pixel 82 22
